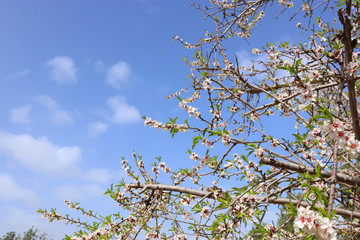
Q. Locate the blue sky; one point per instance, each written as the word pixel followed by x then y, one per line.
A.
pixel 75 78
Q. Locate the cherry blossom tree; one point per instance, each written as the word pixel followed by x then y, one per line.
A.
pixel 243 169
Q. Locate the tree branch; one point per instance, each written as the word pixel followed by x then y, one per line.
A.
pixel 341 178
pixel 346 39
pixel 274 200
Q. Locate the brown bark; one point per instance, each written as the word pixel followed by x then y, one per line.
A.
pixel 341 178
pixel 344 17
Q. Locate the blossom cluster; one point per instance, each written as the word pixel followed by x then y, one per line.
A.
pixel 190 109
pixel 224 228
pixel 176 94
pixel 95 235
pixel 165 126
pixel 248 203
pixel 312 223
pixel 341 130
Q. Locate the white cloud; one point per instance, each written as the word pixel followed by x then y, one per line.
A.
pixel 19 74
pixel 11 191
pixel 63 70
pixel 56 114
pixel 99 175
pixel 244 58
pixel 122 112
pixel 118 74
pixel 61 117
pixel 99 66
pixel 97 128
pixel 47 101
pixel 20 114
pixel 80 192
pixel 39 154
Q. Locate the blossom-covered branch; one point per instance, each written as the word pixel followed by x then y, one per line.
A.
pixel 244 168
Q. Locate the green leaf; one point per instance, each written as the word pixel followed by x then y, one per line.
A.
pixel 326 114
pixel 297 64
pixel 310 237
pixel 213 133
pixel 314 202
pixel 227 196
pixel 291 208
pixel 323 211
pixel 173 120
pixel 245 221
pixel 197 208
pixel 204 74
pixel 173 131
pixel 259 229
pixel 196 140
pixel 222 200
pixel 317 171
pixel 225 131
pixel 284 68
pixel 204 131
pixel 306 195
pixel 290 69
pixel 237 189
pixel 332 214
